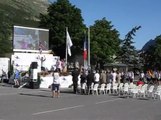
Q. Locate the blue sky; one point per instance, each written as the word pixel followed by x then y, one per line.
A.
pixel 124 15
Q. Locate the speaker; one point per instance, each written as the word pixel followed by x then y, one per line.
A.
pixel 34 65
pixel 34 85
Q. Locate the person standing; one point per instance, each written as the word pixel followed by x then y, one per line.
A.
pixel 75 75
pixel 114 74
pixel 118 77
pixel 83 80
pixel 56 84
pixel 16 78
pixel 90 80
pixel 103 77
pixel 96 77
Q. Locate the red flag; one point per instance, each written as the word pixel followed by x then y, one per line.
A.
pixel 85 50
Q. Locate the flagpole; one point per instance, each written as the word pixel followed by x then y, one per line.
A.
pixel 66 53
pixel 89 64
pixel 84 61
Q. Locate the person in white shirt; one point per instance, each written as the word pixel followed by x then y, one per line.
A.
pixel 96 77
pixel 56 84
pixel 114 74
pixel 142 75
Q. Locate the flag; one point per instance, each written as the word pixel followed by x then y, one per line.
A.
pixel 85 50
pixel 69 43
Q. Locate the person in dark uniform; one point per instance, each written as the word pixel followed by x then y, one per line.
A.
pixel 83 79
pixel 75 75
pixel 90 80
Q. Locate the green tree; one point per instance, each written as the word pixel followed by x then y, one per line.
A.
pixel 104 42
pixel 128 53
pixel 5 33
pixel 62 14
pixel 152 56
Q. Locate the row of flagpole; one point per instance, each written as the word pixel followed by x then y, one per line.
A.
pixel 86 49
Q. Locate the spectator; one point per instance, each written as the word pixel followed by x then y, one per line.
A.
pixel 75 75
pixel 56 84
pixel 140 82
pixel 96 77
pixel 83 79
pixel 90 80
pixel 114 74
pixel 16 78
pixel 103 77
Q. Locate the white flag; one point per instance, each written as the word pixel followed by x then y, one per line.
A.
pixel 69 43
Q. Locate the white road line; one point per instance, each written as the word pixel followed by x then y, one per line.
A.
pixel 61 109
pixel 108 101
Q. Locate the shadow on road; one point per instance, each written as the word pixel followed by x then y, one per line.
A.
pixel 26 94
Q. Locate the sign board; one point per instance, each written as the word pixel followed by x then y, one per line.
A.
pixel 22 61
pixel 4 65
pixel 28 39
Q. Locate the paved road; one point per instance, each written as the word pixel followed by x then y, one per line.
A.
pixel 37 104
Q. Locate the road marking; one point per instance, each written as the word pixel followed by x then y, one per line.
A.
pixel 108 101
pixel 61 109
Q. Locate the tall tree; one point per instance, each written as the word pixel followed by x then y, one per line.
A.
pixel 128 54
pixel 62 14
pixel 104 42
pixel 5 33
pixel 152 56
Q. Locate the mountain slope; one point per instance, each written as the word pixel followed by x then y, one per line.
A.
pixel 23 11
pixel 148 45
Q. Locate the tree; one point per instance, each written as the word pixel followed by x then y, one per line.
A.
pixel 5 33
pixel 62 14
pixel 128 53
pixel 104 42
pixel 152 55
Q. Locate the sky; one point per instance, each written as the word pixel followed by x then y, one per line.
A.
pixel 125 15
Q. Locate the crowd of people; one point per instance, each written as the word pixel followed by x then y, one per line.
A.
pixel 114 76
pixel 92 77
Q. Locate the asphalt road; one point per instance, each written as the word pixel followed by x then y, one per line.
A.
pixel 37 104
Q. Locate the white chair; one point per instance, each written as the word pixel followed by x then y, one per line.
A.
pixel 114 88
pixel 143 90
pixel 90 89
pixel 135 91
pixel 95 89
pixel 157 93
pixel 83 88
pixel 120 88
pixel 150 91
pixel 131 87
pixel 102 89
pixel 126 89
pixel 108 88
